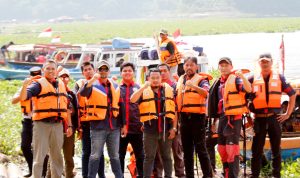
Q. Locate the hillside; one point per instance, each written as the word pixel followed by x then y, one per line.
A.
pixel 43 10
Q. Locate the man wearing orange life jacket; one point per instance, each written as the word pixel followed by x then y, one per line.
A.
pixel 168 52
pixel 157 112
pixel 102 110
pixel 227 103
pixel 268 87
pixel 49 110
pixel 192 90
pixel 176 142
pixel 26 134
pixel 87 70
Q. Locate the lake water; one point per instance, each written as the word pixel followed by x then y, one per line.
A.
pixel 244 49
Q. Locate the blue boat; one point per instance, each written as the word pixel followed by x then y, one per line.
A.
pixel 74 58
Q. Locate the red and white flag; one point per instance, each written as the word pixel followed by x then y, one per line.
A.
pixel 56 39
pixel 177 33
pixel 282 54
pixel 46 33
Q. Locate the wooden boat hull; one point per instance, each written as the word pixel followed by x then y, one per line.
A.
pixel 28 65
pixel 14 74
pixel 290 148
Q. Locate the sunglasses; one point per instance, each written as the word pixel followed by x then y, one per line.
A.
pixel 64 76
pixel 103 69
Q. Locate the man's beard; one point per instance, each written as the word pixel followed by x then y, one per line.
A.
pixel 154 87
pixel 103 76
pixel 191 75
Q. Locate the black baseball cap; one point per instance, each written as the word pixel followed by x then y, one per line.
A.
pixel 35 71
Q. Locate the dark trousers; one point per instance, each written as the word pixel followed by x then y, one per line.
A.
pixel 228 145
pixel 177 151
pixel 151 143
pixel 193 138
pixel 158 167
pixel 26 140
pixel 136 141
pixel 262 126
pixel 211 143
pixel 68 150
pixel 86 151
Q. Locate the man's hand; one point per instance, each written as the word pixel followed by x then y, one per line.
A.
pixel 167 59
pixel 124 131
pixel 283 117
pixel 96 76
pixel 27 81
pixel 239 74
pixel 213 128
pixel 69 131
pixel 189 83
pixel 59 69
pixel 147 84
pixel 172 134
pixel 79 134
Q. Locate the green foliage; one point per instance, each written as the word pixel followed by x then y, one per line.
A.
pixel 10 119
pixel 95 32
pixel 215 73
pixel 266 171
pixel 290 168
pixel 116 9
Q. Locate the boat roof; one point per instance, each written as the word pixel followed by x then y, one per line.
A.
pixel 39 47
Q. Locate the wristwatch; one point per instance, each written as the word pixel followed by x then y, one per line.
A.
pixel 174 129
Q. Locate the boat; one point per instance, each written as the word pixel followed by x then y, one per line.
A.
pixel 290 146
pixel 28 55
pixel 114 52
pixel 73 59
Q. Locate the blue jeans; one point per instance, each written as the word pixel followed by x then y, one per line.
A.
pixel 112 140
pixel 86 152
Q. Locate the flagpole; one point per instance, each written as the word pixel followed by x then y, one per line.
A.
pixel 282 53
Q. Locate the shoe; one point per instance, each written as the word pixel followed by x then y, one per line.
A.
pixel 28 175
pixel 252 176
pixel 74 173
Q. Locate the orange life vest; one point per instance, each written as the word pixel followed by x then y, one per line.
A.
pixel 165 53
pixel 234 101
pixel 147 106
pixel 188 99
pixel 50 102
pixel 97 103
pixel 82 101
pixel 275 92
pixel 26 105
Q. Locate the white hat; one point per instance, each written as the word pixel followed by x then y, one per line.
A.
pixel 64 71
